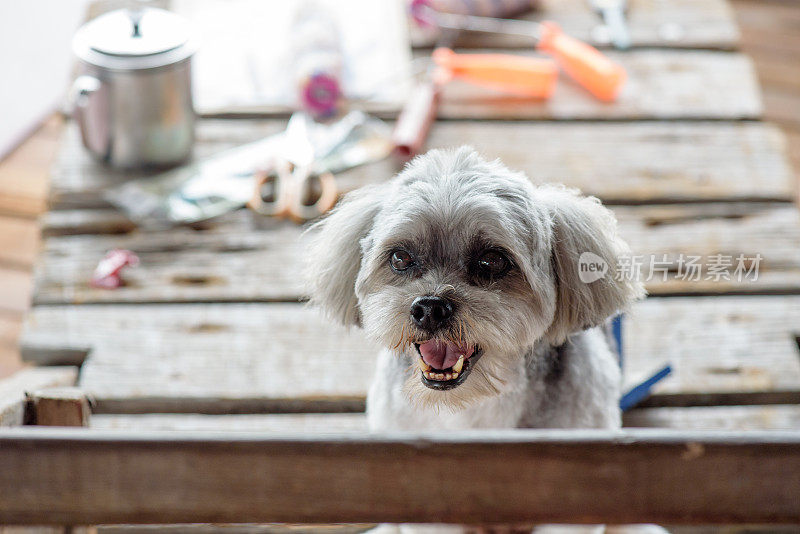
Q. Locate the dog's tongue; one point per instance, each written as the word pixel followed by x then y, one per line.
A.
pixel 443 354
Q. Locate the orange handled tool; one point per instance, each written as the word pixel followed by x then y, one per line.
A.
pixel 582 62
pixel 585 64
pixel 532 77
pixel 525 76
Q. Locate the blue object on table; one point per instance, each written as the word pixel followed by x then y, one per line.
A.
pixel 616 331
pixel 638 393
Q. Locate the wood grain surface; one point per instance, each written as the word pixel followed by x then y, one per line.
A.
pixel 80 477
pixel 263 354
pixel 779 417
pixel 244 258
pixel 618 162
pixel 661 84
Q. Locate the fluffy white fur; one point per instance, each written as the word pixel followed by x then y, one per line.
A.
pixel 545 362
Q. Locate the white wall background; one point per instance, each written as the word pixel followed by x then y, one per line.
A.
pixel 35 62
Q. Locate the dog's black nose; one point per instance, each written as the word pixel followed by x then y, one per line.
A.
pixel 430 313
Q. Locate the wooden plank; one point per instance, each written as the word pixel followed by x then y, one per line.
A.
pixel 273 528
pixel 715 344
pixel 10 327
pixel 16 287
pixel 343 528
pixel 668 236
pixel 236 260
pixel 13 389
pixel 271 423
pixel 211 350
pixel 661 84
pixel 675 24
pixel 24 172
pixel 785 417
pixel 64 406
pixel 638 162
pixel 19 241
pixel 55 476
pixel 209 354
pixel 781 417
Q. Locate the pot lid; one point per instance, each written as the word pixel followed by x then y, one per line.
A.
pixel 134 38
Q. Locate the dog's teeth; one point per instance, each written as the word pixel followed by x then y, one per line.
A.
pixel 448 376
pixel 459 364
pixel 455 375
pixel 422 365
pixel 426 374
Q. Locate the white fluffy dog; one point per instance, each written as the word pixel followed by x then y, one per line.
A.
pixel 468 275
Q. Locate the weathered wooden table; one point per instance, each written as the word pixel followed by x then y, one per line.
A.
pixel 210 332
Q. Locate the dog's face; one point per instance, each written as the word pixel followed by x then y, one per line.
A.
pixel 461 266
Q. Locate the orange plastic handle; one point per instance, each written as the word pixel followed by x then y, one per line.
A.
pixel 533 77
pixel 584 63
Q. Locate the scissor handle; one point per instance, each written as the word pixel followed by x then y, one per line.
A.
pixel 300 212
pixel 290 187
pixel 279 175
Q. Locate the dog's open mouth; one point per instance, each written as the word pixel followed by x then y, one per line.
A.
pixel 445 365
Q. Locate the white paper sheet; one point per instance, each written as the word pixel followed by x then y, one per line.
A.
pixel 246 55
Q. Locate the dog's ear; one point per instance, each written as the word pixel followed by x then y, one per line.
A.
pixel 334 257
pixel 586 252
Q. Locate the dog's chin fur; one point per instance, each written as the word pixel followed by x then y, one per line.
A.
pixel 446 209
pixel 502 343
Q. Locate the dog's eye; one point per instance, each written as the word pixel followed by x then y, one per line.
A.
pixel 401 260
pixel 492 264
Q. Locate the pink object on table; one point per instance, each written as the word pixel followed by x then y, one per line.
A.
pixel 107 273
pixel 321 95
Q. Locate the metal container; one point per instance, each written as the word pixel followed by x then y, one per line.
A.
pixel 133 98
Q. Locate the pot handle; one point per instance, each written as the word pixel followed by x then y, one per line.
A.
pixel 81 92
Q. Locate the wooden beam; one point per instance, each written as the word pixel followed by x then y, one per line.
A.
pixel 65 406
pixel 345 528
pixel 52 476
pixel 14 388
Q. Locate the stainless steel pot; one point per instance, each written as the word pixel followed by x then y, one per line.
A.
pixel 133 98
